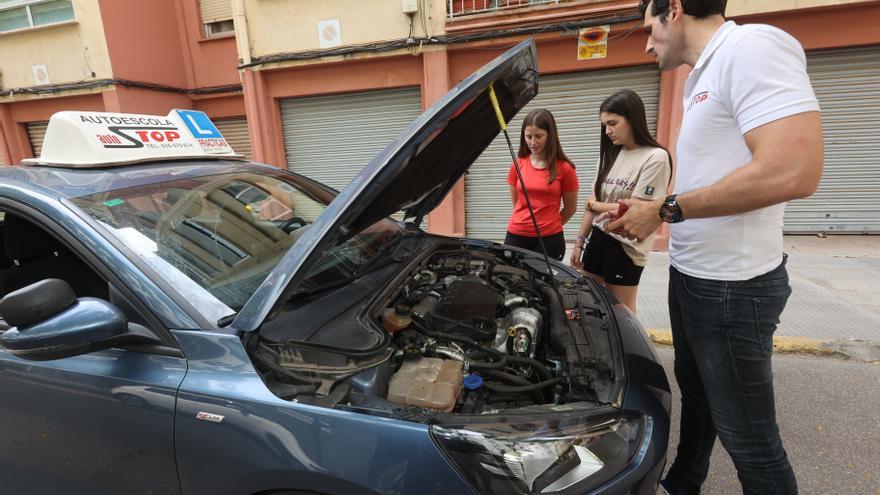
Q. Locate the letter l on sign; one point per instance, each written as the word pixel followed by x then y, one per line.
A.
pixel 195 125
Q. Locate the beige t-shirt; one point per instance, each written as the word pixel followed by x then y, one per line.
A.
pixel 640 173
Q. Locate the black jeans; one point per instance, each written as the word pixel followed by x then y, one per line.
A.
pixel 723 338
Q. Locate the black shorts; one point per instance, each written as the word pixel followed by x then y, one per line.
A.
pixel 555 244
pixel 604 256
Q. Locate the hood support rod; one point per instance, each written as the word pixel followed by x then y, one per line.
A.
pixel 519 175
pixel 553 282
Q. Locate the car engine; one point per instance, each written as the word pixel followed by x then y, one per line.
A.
pixel 468 331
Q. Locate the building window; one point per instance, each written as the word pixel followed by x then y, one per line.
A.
pixel 216 17
pixel 23 14
pixel 219 27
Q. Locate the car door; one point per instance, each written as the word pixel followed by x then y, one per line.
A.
pixel 96 423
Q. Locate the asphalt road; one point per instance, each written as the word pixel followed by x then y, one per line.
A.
pixel 829 416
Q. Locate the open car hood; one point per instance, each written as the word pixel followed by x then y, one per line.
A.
pixel 413 173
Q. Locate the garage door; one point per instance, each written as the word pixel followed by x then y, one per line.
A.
pixel 847 83
pixel 331 138
pixel 574 100
pixel 235 130
pixel 36 132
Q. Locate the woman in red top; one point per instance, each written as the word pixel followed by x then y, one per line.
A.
pixel 551 183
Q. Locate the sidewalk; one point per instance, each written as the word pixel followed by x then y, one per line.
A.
pixel 835 285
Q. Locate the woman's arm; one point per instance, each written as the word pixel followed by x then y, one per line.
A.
pixel 569 206
pixel 599 207
pixel 583 232
pixel 513 195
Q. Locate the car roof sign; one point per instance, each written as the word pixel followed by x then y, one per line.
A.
pixel 101 139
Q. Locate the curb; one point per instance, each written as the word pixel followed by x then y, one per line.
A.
pixel 781 344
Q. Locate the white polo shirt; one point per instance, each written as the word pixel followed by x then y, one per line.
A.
pixel 746 77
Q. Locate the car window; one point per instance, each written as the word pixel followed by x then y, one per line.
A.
pixel 30 254
pixel 214 238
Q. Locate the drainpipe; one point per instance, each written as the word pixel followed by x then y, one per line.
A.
pixel 242 40
pixel 262 131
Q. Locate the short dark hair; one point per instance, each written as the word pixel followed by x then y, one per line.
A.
pixel 695 8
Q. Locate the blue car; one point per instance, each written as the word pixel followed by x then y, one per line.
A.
pixel 178 320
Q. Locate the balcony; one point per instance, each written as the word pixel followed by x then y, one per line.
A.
pixel 459 8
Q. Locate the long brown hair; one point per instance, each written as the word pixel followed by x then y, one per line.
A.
pixel 543 119
pixel 628 105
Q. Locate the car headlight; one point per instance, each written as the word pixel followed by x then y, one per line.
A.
pixel 570 454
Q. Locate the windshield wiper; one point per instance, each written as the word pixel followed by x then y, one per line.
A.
pixel 401 252
pixel 321 288
pixel 226 320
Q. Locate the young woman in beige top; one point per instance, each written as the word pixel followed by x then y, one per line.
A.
pixel 632 164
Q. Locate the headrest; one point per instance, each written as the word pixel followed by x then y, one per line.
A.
pixel 24 241
pixel 4 261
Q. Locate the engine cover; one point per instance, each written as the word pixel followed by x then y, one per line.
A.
pixel 468 308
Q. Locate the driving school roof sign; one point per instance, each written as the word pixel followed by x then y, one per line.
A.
pixel 83 139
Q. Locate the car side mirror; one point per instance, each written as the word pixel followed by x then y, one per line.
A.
pixel 48 322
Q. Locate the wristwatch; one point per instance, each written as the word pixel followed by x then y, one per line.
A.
pixel 670 211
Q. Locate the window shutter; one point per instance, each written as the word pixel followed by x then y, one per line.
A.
pixel 216 10
pixel 36 132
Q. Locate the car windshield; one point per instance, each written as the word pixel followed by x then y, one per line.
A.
pixel 216 238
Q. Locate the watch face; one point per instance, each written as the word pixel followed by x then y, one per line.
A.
pixel 670 212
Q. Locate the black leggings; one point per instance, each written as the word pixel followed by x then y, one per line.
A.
pixel 555 244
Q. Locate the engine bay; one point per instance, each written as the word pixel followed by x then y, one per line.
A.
pixel 464 331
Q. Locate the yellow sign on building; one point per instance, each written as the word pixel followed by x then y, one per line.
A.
pixel 593 42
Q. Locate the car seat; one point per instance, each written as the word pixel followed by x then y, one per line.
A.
pixel 36 255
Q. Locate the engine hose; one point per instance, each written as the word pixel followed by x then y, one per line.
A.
pixel 536 365
pixel 504 389
pixel 487 365
pixel 502 358
pixel 450 353
pixel 557 315
pixel 506 377
pixel 537 395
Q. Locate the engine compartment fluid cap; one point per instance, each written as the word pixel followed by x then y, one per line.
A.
pixel 472 382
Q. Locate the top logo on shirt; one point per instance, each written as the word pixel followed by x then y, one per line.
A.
pixel 698 98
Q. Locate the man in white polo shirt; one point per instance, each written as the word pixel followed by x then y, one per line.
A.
pixel 750 140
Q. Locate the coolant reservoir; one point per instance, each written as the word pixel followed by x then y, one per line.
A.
pixel 395 320
pixel 428 382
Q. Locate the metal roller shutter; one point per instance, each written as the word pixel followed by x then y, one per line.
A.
pixel 847 84
pixel 574 100
pixel 215 10
pixel 36 132
pixel 331 138
pixel 235 130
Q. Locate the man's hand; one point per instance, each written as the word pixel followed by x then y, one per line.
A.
pixel 641 220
